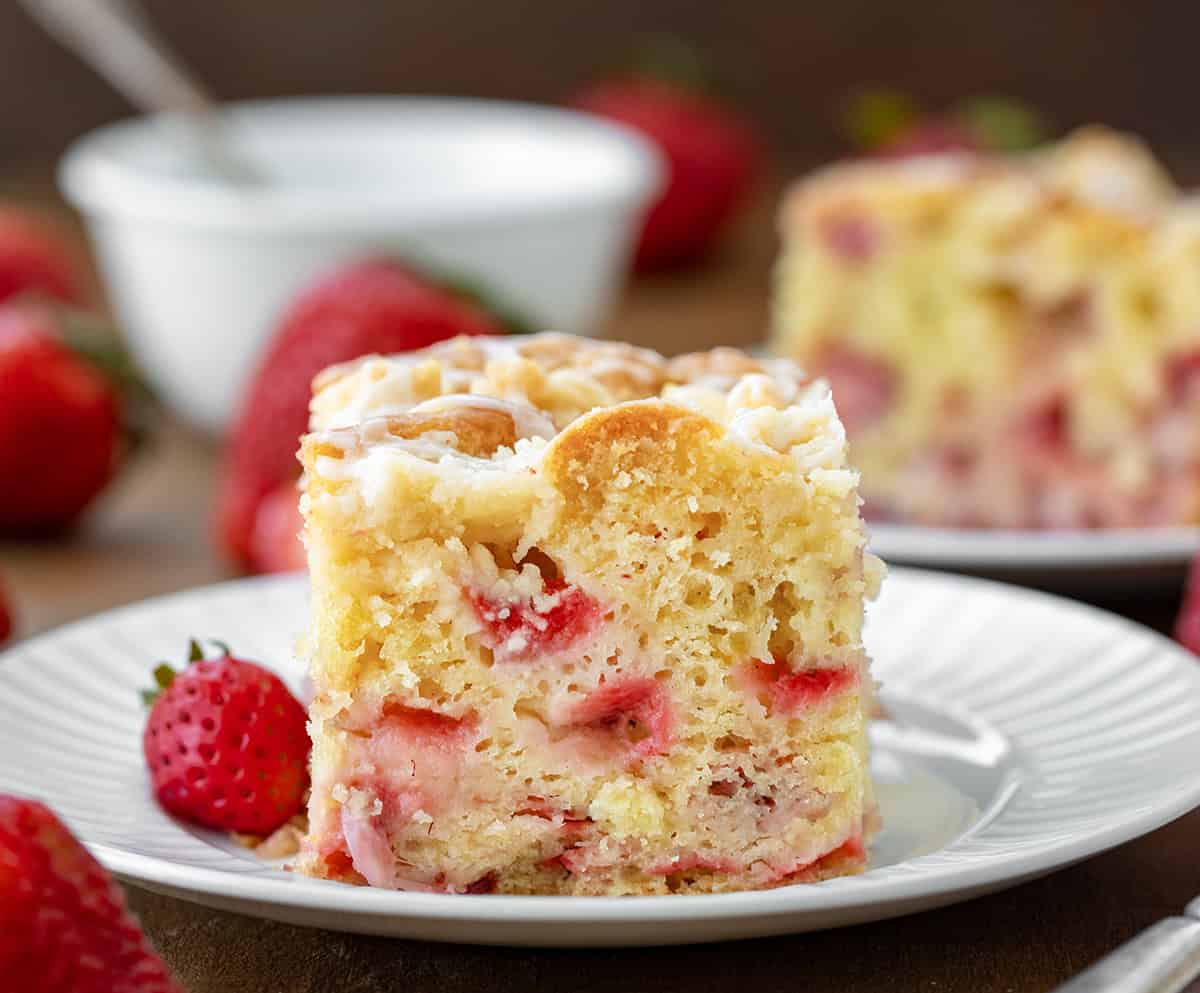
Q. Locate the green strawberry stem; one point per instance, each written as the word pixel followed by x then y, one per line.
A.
pixel 164 675
pixel 874 117
pixel 95 340
pixel 1002 124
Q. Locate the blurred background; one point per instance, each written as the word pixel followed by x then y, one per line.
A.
pixel 787 63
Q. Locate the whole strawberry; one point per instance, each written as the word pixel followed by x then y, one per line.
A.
pixel 6 616
pixel 711 154
pixel 64 926
pixel 376 306
pixel 226 744
pixel 60 426
pixel 1187 624
pixel 35 258
pixel 275 544
pixel 887 124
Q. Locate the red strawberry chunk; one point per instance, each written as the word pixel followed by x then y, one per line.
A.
pixel 635 710
pixel 1187 625
pixel 419 723
pixel 789 692
pixel 370 851
pixel 522 630
pixel 64 926
pixel 1182 375
pixel 850 237
pixel 690 861
pixel 484 884
pixel 864 388
pixel 851 848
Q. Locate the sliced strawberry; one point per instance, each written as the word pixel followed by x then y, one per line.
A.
pixel 790 692
pixel 634 712
pixel 527 629
pixel 851 849
pixel 64 925
pixel 691 861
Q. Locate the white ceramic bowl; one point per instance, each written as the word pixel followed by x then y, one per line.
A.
pixel 538 205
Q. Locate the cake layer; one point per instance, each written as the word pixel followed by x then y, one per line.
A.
pixel 585 621
pixel 1011 341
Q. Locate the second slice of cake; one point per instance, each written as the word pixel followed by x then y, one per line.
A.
pixel 585 622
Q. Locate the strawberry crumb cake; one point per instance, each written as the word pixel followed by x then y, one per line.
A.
pixel 586 621
pixel 1012 342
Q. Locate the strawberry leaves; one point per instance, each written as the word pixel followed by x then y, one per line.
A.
pixel 164 674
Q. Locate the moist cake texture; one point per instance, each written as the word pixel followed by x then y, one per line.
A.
pixel 585 621
pixel 1012 342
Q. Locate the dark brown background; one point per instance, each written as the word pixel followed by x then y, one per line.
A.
pixel 1130 63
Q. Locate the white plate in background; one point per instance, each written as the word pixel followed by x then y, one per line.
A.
pixel 1115 554
pixel 1025 733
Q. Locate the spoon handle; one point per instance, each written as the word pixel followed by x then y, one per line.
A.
pixel 116 41
pixel 1164 958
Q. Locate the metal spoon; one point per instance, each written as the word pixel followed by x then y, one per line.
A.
pixel 115 39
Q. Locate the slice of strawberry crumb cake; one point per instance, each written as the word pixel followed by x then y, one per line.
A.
pixel 1012 341
pixel 586 621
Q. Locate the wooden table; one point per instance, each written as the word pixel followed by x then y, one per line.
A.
pixel 150 535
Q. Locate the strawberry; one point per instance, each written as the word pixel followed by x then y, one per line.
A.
pixel 525 630
pixel 6 617
pixel 375 306
pixel 1187 624
pixel 711 153
pixel 35 258
pixel 64 926
pixel 60 431
pixel 275 544
pixel 890 125
pixel 226 744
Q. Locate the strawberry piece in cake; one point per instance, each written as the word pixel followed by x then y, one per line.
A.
pixel 1011 341
pixel 585 621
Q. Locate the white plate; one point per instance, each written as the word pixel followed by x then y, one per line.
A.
pixel 1026 733
pixel 1121 552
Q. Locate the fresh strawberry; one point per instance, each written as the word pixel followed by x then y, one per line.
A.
pixel 1187 624
pixel 64 926
pixel 931 135
pixel 711 154
pixel 376 306
pixel 226 744
pixel 890 125
pixel 60 431
pixel 6 617
pixel 275 544
pixel 36 259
